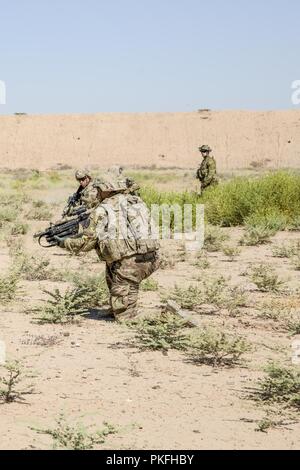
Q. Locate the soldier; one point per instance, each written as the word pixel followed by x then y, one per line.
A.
pixel 85 195
pixel 132 186
pixel 207 172
pixel 120 233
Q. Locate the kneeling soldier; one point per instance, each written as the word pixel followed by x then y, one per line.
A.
pixel 120 232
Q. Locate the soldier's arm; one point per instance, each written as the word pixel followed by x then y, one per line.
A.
pixel 89 198
pixel 212 170
pixel 200 174
pixel 88 239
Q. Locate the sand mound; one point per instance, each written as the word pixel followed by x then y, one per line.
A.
pixel 239 139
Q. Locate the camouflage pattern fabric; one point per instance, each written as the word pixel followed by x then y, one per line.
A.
pixel 123 279
pixel 129 259
pixel 88 197
pixel 207 172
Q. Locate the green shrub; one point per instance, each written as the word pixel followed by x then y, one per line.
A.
pixel 9 392
pixel 218 349
pixel 209 291
pixel 265 278
pixel 95 288
pixel 160 333
pixel 233 203
pixel 240 201
pixel 8 287
pixel 255 236
pixel 19 228
pixel 188 298
pixel 149 285
pixel 213 239
pixel 286 251
pixel 271 219
pixel 40 213
pixel 76 437
pixel 296 261
pixel 33 268
pixel 7 214
pixel 232 252
pixel 280 385
pixel 202 261
pixel 63 308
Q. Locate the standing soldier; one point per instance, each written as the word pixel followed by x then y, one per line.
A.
pixel 207 172
pixel 85 195
pixel 120 232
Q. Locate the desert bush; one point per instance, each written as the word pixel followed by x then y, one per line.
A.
pixel 54 177
pixel 39 211
pixel 33 268
pixel 76 437
pixel 234 202
pixel 286 251
pixel 95 289
pixel 182 254
pixel 19 228
pixel 271 310
pixel 236 297
pixel 9 391
pixel 271 219
pixel 188 298
pixel 294 225
pixel 265 278
pixel 218 349
pixel 7 215
pixel 292 322
pixel 296 261
pixel 202 261
pixel 232 252
pixel 215 291
pixel 280 385
pixel 255 236
pixel 166 262
pixel 161 333
pixel 149 285
pixel 213 239
pixel 63 308
pixel 8 287
pixel 271 421
pixel 16 246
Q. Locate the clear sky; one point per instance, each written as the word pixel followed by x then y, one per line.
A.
pixel 65 56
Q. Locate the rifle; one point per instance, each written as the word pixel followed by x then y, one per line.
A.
pixel 72 201
pixel 64 229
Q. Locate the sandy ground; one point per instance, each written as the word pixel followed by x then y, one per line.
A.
pixel 239 139
pixel 91 375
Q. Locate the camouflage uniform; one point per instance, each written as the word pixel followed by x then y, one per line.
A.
pixel 130 257
pixel 88 197
pixel 83 197
pixel 207 172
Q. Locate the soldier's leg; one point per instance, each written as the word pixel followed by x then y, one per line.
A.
pixel 109 280
pixel 125 287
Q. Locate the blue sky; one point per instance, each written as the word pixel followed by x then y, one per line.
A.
pixel 65 56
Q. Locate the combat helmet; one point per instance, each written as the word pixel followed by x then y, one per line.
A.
pixel 109 183
pixel 205 148
pixel 82 173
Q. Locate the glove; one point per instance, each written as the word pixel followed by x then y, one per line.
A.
pixel 59 241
